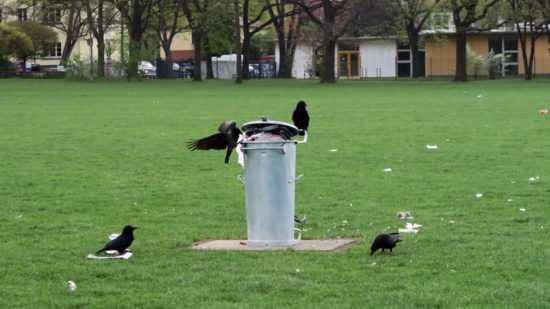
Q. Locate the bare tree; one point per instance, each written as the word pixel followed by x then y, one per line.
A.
pixel 528 17
pixel 101 16
pixel 167 26
pixel 65 15
pixel 136 14
pixel 465 14
pixel 287 33
pixel 414 14
pixel 196 13
pixel 251 26
pixel 332 18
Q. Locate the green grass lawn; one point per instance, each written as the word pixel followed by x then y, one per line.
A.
pixel 80 160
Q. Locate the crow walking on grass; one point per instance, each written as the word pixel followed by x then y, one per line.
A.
pixel 122 242
pixel 300 117
pixel 385 241
pixel 227 137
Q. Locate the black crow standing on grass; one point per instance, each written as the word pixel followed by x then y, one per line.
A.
pixel 301 117
pixel 122 242
pixel 385 241
pixel 227 137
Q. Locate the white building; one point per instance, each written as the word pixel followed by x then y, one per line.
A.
pixel 365 57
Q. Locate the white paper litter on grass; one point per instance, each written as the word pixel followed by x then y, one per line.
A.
pixel 479 96
pixel 404 215
pixel 478 195
pixel 387 170
pixel 522 209
pixel 543 112
pixel 407 231
pixel 432 147
pixel 534 178
pixel 124 256
pixel 72 285
pixel 332 150
pixel 410 228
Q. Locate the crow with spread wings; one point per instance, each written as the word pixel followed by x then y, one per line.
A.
pixel 227 137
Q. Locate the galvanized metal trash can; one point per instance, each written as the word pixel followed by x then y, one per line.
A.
pixel 269 177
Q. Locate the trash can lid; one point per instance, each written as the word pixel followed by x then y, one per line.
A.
pixel 265 125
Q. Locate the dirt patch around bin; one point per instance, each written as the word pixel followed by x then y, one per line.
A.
pixel 324 245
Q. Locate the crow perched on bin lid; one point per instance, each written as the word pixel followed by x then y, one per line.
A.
pixel 122 242
pixel 227 137
pixel 385 241
pixel 300 117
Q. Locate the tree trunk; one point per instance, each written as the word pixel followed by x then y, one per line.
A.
pixel 245 47
pixel 246 56
pixel 133 55
pixel 196 37
pixel 415 57
pixel 327 76
pixel 67 50
pixel 461 74
pixel 283 72
pixel 100 56
pixel 531 57
pixel 168 63
pixel 100 37
pixel 208 58
pixel 238 67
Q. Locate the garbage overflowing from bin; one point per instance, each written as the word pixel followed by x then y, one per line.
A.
pixel 269 178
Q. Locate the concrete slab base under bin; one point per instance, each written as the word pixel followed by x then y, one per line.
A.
pixel 325 245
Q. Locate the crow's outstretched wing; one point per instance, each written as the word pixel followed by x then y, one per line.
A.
pixel 215 141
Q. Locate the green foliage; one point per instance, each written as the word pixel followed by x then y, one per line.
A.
pixel 14 43
pixel 5 65
pixel 39 34
pixel 261 45
pixel 494 64
pixel 80 160
pixel 76 69
pixel 475 63
pixel 375 18
pixel 220 27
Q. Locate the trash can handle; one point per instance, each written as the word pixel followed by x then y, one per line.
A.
pixel 296 179
pixel 240 177
pixel 303 141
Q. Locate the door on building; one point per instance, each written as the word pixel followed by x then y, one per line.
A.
pixel 348 64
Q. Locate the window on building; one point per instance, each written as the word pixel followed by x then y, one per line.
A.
pixel 51 15
pixel 507 46
pixel 495 45
pixel 404 60
pixel 21 14
pixel 52 50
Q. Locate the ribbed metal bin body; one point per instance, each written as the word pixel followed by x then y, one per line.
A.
pixel 270 169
